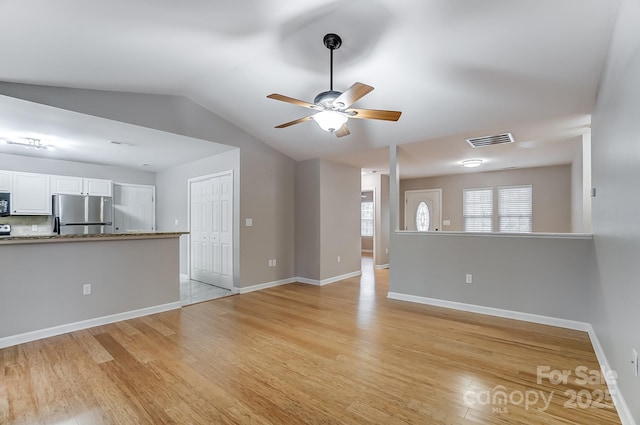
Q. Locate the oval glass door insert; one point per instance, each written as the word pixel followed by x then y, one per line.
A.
pixel 423 217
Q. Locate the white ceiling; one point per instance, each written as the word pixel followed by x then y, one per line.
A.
pixel 455 68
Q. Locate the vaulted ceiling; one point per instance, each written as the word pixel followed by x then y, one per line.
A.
pixel 455 68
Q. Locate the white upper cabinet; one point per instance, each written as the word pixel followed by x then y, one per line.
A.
pixel 65 185
pixel 5 181
pixel 30 194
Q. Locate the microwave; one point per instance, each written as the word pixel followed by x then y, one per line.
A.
pixel 5 205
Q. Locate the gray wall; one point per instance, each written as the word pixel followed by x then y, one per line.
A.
pixel 308 219
pixel 125 275
pixel 266 175
pixel 339 219
pixel 551 195
pixel 172 198
pixel 327 219
pixel 536 275
pixel 616 208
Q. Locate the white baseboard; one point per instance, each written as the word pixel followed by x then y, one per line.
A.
pixel 368 251
pixel 329 280
pixel 382 266
pixel 616 395
pixel 184 276
pixel 618 400
pixel 509 314
pixel 85 324
pixel 266 285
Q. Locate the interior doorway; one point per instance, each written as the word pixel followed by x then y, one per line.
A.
pixel 211 229
pixel 367 222
pixel 423 210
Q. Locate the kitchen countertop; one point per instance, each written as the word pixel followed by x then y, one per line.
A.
pixel 45 238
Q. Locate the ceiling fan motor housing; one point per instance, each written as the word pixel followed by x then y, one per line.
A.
pixel 326 98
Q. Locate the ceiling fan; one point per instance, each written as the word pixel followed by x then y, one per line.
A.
pixel 334 107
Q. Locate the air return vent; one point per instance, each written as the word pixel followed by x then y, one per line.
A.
pixel 480 142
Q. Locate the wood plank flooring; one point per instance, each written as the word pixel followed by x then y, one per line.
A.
pixel 338 354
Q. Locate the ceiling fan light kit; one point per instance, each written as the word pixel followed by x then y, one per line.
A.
pixel 334 107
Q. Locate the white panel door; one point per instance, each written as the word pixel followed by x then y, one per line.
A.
pixel 133 208
pixel 423 210
pixel 212 230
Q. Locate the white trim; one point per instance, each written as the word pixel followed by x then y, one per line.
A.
pixel 509 314
pixel 499 235
pixel 369 251
pixel 85 324
pixel 329 280
pixel 382 266
pixel 266 285
pixel 616 395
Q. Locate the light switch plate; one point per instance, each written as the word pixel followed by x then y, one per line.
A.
pixel 248 222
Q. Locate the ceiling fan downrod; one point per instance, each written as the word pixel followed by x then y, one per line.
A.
pixel 332 42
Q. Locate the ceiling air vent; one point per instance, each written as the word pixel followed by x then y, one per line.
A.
pixel 480 142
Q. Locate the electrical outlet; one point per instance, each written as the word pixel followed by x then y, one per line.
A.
pixel 86 289
pixel 338 258
pixel 275 263
pixel 469 278
pixel 176 222
pixel 634 362
pixel 34 227
pixel 386 250
pixel 270 263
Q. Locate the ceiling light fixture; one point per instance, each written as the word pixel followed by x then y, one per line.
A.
pixel 472 163
pixel 330 120
pixel 29 143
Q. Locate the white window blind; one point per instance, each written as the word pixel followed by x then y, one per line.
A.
pixel 478 209
pixel 366 219
pixel 515 209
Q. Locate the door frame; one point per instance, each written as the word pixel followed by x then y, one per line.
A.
pixel 233 207
pixel 439 191
pixel 375 205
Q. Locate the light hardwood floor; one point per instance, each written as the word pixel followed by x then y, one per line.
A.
pixel 338 354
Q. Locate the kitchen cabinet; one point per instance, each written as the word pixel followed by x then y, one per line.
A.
pixel 5 181
pixel 66 185
pixel 30 194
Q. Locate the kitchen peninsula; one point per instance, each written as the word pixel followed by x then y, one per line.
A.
pixel 53 284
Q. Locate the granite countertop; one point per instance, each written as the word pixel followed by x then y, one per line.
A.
pixel 94 237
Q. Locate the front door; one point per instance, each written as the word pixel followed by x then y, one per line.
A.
pixel 211 231
pixel 422 210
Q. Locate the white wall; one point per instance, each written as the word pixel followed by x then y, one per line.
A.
pixel 616 207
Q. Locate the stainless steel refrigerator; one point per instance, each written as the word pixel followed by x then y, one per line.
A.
pixel 78 214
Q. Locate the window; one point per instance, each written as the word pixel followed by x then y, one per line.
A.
pixel 366 219
pixel 478 209
pixel 514 209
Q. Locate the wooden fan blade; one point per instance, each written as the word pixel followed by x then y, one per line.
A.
pixel 374 114
pixel 343 131
pixel 354 93
pixel 298 121
pixel 288 99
